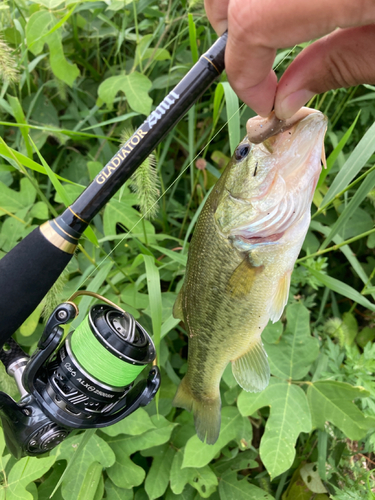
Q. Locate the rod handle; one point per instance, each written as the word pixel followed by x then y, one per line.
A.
pixel 27 272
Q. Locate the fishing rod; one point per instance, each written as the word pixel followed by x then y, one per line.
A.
pixel 63 388
pixel 30 269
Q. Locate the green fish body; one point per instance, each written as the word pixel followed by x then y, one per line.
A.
pixel 240 260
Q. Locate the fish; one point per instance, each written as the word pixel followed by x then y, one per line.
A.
pixel 241 257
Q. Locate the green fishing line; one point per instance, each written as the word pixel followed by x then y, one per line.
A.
pixel 98 361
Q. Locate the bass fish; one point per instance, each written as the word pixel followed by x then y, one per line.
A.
pixel 241 257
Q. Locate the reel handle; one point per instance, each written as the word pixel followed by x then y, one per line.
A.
pixel 58 395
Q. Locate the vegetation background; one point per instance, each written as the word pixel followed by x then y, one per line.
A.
pixel 76 75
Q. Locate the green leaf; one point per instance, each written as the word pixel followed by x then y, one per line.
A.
pixel 243 460
pixel 232 489
pixel 8 385
pixel 176 256
pixel 310 476
pixel 12 230
pixel 63 69
pixel 335 153
pixel 362 152
pixel 333 401
pixel 39 210
pixel 119 212
pixel 133 298
pixel 135 87
pixel 23 472
pixel 168 325
pixel 341 288
pixel 27 162
pixel 198 454
pixel 193 38
pixel 156 54
pixel 113 492
pixel 346 250
pixel 360 194
pixel 293 355
pixel 52 177
pixel 20 117
pixel 272 332
pixel 202 479
pixel 37 26
pixel 154 294
pixel 14 201
pixel 133 425
pixel 158 476
pixel 28 327
pixel 96 450
pixel 50 4
pixel 289 416
pixel 39 30
pixel 233 116
pixel 189 493
pixel 219 94
pixel 90 482
pixel 125 473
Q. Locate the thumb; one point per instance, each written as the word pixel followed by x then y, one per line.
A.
pixel 344 58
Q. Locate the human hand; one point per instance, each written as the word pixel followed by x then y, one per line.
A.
pixel 257 28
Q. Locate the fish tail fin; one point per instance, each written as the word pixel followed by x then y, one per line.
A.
pixel 207 417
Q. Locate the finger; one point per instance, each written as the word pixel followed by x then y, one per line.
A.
pixel 257 28
pixel 217 13
pixel 342 59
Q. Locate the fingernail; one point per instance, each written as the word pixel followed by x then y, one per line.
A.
pixel 292 103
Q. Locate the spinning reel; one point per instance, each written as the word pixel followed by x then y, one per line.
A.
pixel 87 383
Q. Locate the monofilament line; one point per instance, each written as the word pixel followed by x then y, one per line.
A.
pixel 172 184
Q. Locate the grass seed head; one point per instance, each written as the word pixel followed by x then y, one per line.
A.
pixel 8 66
pixel 145 183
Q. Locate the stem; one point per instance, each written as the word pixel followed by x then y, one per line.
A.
pixel 87 255
pixel 361 177
pixel 137 34
pixel 336 247
pixel 144 230
pixel 12 215
pixel 354 305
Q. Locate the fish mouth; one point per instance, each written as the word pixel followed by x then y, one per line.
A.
pixel 296 153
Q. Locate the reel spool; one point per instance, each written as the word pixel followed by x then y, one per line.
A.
pixel 86 383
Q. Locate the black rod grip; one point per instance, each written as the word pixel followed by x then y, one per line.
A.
pixel 27 272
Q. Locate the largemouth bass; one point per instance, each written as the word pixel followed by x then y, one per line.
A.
pixel 241 257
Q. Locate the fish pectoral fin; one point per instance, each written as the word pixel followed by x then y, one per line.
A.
pixel 242 279
pixel 177 308
pixel 280 298
pixel 251 370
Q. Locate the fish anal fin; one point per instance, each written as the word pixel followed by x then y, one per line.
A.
pixel 177 307
pixel 207 416
pixel 251 370
pixel 280 298
pixel 242 279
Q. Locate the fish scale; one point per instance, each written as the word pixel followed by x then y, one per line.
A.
pixel 235 284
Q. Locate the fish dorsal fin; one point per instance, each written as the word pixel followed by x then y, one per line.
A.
pixel 177 307
pixel 280 298
pixel 242 279
pixel 251 370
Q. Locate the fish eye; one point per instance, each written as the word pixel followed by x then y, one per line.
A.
pixel 242 151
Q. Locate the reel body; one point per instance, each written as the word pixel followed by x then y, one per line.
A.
pixel 62 390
